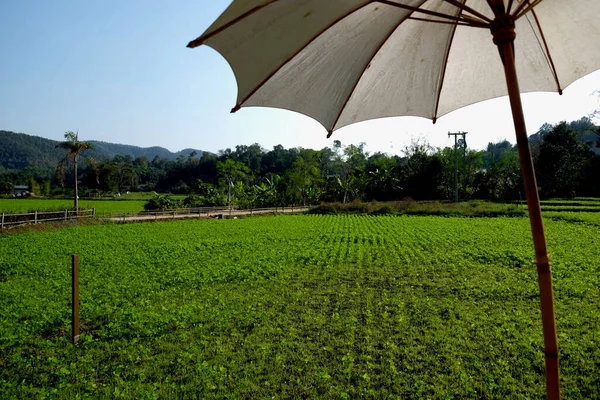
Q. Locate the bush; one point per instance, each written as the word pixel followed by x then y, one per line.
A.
pixel 411 207
pixel 160 202
pixel 6 187
pixel 385 209
pixel 212 199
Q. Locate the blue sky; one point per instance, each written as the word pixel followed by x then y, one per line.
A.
pixel 119 71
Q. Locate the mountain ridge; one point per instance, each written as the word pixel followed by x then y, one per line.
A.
pixel 21 150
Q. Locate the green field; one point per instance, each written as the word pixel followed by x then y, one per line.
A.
pixel 591 218
pixel 298 307
pixel 27 205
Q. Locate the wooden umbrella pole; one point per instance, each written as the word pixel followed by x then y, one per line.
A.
pixel 504 36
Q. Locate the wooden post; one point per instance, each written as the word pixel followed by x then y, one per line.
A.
pixel 94 212
pixel 2 222
pixel 75 299
pixel 504 35
pixel 35 217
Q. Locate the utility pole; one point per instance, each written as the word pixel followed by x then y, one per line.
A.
pixel 464 144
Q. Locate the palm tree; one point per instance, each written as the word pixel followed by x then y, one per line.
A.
pixel 73 147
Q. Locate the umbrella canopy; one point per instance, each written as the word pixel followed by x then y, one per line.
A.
pixel 346 61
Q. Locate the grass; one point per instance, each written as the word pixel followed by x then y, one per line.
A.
pixel 473 208
pixel 146 196
pixel 570 203
pixel 29 205
pixel 124 196
pixel 590 218
pixel 576 200
pixel 298 307
pixel 572 208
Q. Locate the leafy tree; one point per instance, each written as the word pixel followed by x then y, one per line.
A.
pixel 501 180
pixel 122 171
pixel 160 202
pixel 278 160
pixel 73 147
pixel 421 172
pixel 382 182
pixel 249 155
pixel 562 162
pixel 304 177
pixel 250 176
pixel 348 169
pixel 207 196
pixel 45 188
pixel 34 187
pixel 230 172
pixel 267 192
pixel 6 187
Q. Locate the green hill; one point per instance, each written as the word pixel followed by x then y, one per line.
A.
pixel 19 151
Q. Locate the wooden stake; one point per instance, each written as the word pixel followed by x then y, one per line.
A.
pixel 537 227
pixel 75 299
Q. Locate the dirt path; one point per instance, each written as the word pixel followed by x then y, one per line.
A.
pixel 211 214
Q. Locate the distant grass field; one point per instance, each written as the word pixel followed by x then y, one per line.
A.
pixel 572 203
pixel 298 307
pixel 571 208
pixel 583 204
pixel 146 196
pixel 579 199
pixel 590 218
pixel 475 208
pixel 27 205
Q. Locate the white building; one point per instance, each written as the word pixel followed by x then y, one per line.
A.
pixel 20 190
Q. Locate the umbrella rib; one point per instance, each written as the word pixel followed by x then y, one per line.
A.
pixel 441 83
pixel 548 55
pixel 468 9
pixel 492 6
pixel 200 41
pixel 510 3
pixel 531 6
pixel 471 20
pixel 367 65
pixel 447 22
pixel 520 7
pixel 355 9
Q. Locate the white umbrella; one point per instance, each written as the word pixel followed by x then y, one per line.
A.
pixel 346 61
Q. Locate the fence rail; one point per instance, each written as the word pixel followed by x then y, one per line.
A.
pixel 167 212
pixel 37 217
pixel 196 211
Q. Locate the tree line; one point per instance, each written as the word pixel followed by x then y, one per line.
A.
pixel 250 176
